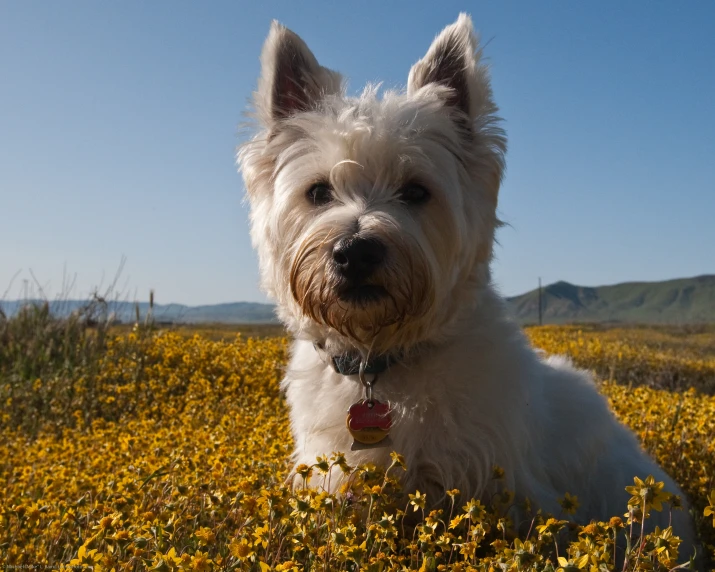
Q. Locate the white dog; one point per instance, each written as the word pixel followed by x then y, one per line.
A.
pixel 374 222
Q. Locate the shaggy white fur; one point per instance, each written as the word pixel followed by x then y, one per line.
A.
pixel 417 173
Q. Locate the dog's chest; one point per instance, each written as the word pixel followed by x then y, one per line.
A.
pixel 424 406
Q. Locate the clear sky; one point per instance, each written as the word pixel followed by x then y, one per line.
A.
pixel 118 128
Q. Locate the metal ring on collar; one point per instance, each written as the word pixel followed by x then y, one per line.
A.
pixel 367 384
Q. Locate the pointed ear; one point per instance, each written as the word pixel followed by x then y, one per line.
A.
pixel 453 61
pixel 291 78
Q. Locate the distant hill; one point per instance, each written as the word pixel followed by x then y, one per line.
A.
pixel 680 301
pixel 232 313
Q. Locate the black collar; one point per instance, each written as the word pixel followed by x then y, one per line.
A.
pixel 349 364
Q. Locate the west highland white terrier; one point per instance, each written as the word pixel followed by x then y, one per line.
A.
pixel 374 221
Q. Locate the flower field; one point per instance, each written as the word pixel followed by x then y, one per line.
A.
pixel 168 451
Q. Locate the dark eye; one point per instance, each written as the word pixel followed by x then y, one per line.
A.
pixel 320 194
pixel 414 194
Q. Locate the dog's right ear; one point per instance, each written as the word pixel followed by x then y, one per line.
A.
pixel 291 79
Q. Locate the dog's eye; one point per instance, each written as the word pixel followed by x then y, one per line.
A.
pixel 320 194
pixel 414 194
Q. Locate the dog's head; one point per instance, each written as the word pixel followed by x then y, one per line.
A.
pixel 374 217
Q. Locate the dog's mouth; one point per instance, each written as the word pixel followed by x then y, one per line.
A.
pixel 362 294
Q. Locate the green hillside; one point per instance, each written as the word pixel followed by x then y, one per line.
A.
pixel 680 301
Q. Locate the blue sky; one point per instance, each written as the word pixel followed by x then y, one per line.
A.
pixel 118 126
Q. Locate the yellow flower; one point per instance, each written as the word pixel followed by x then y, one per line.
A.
pixel 200 562
pixel 569 503
pixel 241 548
pixel 165 562
pixel 475 510
pixel 205 535
pixel 261 534
pixel 648 493
pixel 666 546
pixel 304 471
pixel 551 526
pixel 322 464
pixel 497 472
pixel 86 557
pixel 398 460
pixel 418 500
pixel 710 509
pixel 455 522
pixel 288 566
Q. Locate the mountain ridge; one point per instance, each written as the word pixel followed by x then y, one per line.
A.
pixel 676 301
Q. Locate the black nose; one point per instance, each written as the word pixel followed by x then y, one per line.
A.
pixel 357 258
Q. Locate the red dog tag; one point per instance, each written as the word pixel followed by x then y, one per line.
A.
pixel 369 422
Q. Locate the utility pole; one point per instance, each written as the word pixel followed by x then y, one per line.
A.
pixel 540 304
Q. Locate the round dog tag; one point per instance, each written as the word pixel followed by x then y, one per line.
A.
pixel 369 422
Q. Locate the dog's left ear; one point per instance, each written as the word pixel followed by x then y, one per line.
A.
pixel 453 61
